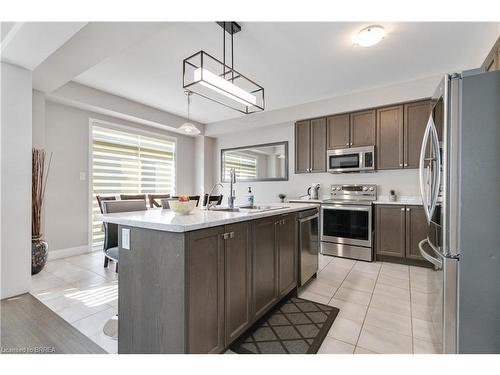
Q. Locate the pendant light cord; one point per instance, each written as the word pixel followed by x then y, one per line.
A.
pixel 224 50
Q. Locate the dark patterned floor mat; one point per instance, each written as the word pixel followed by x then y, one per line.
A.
pixel 295 326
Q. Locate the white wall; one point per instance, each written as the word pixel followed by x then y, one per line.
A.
pixel 67 197
pixel 275 126
pixel 204 174
pixel 15 191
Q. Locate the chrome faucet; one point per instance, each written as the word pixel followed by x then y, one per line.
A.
pixel 212 204
pixel 232 194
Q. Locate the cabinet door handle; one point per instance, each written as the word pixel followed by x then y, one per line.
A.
pixel 400 164
pixel 407 209
pixel 403 209
pixel 231 235
pixel 347 144
pixel 225 236
pixel 406 164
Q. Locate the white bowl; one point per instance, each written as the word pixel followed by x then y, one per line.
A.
pixel 183 208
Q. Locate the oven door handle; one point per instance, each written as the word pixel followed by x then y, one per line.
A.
pixel 308 218
pixel 345 208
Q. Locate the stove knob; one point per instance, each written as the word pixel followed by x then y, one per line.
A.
pixel 338 187
pixel 365 188
pixel 371 188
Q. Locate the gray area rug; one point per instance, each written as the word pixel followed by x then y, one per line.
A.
pixel 295 326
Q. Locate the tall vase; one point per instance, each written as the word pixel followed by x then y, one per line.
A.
pixel 39 252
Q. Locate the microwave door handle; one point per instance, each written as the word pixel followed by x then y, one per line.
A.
pixel 423 191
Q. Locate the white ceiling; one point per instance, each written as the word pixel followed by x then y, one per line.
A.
pixel 295 62
pixel 28 44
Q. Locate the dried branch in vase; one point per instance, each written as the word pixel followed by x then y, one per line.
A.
pixel 39 181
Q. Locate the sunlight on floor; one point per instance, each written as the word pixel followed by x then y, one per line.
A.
pixel 95 296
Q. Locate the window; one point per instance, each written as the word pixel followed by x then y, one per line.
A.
pixel 244 164
pixel 128 163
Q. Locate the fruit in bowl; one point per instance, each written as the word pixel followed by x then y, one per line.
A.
pixel 182 207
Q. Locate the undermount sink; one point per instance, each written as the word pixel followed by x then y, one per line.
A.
pixel 225 209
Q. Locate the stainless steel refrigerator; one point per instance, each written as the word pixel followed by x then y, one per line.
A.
pixel 460 187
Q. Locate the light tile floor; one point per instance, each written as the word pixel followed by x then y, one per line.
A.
pixel 384 307
pixel 82 292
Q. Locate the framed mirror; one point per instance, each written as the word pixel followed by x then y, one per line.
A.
pixel 264 162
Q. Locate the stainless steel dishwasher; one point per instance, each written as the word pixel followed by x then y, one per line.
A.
pixel 309 244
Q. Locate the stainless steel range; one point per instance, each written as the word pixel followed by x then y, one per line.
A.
pixel 346 222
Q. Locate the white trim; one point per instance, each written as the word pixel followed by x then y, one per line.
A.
pixel 69 252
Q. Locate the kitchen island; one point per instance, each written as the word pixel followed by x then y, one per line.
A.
pixel 194 283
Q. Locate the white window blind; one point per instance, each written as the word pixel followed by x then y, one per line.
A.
pixel 128 163
pixel 245 165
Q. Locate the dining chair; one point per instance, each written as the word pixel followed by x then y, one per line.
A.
pixel 111 230
pixel 101 199
pixel 132 196
pixel 153 199
pixel 213 198
pixel 191 198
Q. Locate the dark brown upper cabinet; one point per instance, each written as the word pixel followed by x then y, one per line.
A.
pixel 362 128
pixel 400 130
pixel 416 116
pixel 390 230
pixel 238 260
pixel 302 146
pixel 310 146
pixel 338 132
pixel 390 136
pixel 492 61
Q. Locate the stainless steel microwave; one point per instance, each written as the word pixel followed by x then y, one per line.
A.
pixel 354 159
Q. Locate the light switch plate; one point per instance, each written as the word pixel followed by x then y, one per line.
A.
pixel 125 238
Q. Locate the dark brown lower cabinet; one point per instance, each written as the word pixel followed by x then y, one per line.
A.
pixel 265 264
pixel 235 274
pixel 287 254
pixel 205 262
pixel 390 230
pixel 398 230
pixel 416 231
pixel 238 268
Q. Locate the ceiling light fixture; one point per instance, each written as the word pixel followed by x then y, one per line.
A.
pixel 369 36
pixel 188 127
pixel 213 79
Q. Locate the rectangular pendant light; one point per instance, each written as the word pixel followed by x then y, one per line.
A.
pixel 222 86
pixel 210 78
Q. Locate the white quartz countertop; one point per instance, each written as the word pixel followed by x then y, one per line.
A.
pixel 407 200
pixel 169 221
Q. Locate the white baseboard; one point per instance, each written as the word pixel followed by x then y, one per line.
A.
pixel 69 252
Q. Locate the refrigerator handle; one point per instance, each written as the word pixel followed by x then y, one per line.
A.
pixel 437 177
pixel 438 263
pixel 423 191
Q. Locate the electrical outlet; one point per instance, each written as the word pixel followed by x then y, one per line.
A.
pixel 125 239
pixel 82 176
